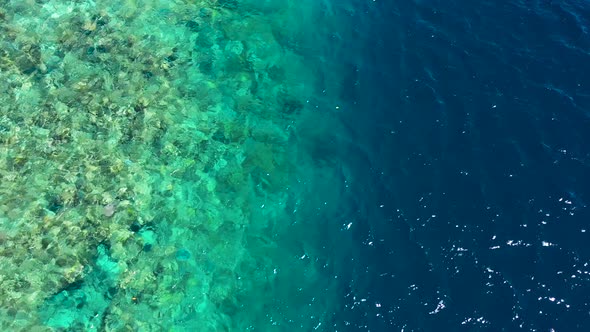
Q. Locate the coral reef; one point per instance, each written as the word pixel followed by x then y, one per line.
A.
pixel 136 140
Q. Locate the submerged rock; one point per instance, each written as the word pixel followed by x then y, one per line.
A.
pixel 183 255
pixel 109 209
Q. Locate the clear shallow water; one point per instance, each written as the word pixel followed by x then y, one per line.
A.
pixel 244 165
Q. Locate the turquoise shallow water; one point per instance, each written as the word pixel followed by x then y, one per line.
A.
pixel 156 159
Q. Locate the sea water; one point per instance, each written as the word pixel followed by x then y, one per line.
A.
pixel 244 165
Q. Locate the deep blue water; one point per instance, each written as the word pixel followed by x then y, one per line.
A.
pixel 465 130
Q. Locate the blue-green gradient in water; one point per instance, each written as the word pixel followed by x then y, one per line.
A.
pixel 245 165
